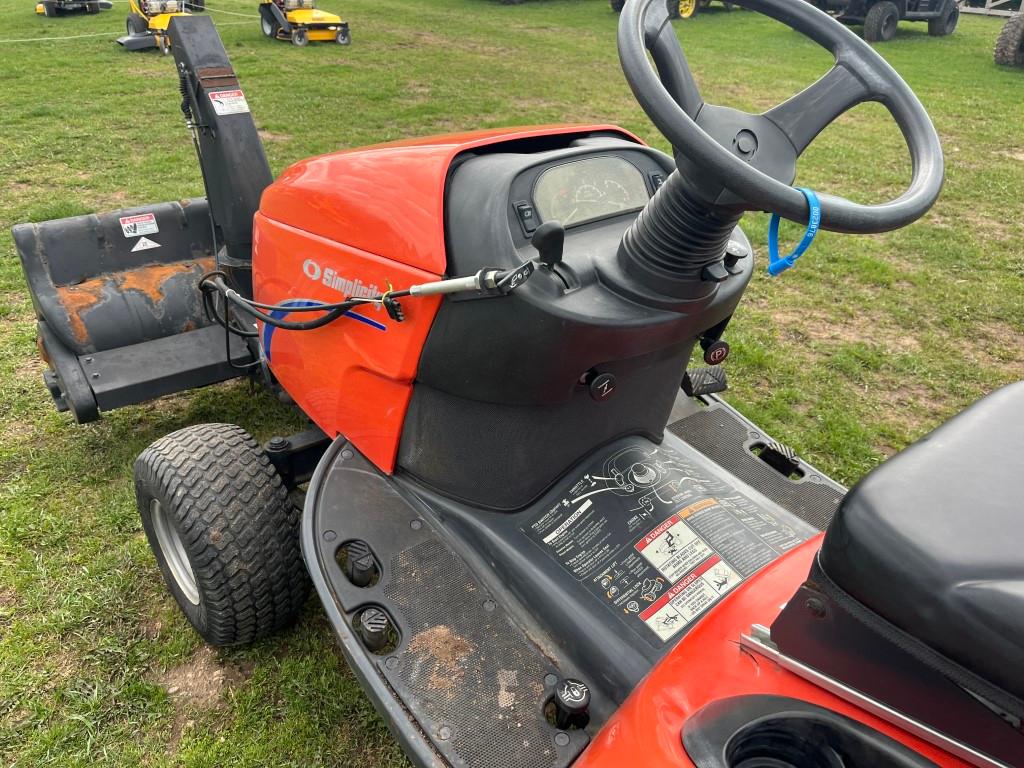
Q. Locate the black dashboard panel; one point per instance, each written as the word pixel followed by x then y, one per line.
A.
pixel 516 413
pixel 583 188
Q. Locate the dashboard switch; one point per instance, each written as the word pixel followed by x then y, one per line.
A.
pixel 527 217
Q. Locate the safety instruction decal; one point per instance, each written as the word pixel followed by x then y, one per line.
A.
pixel 145 244
pixel 140 224
pixel 659 537
pixel 229 102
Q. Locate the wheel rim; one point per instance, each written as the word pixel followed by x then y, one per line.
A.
pixel 173 549
pixel 266 27
pixel 889 27
pixel 686 8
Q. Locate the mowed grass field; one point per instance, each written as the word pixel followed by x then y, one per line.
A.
pixel 869 343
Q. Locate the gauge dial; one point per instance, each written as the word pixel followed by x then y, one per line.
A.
pixel 585 190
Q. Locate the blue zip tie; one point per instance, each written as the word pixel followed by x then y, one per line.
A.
pixel 779 264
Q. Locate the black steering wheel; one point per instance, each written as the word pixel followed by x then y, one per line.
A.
pixel 740 161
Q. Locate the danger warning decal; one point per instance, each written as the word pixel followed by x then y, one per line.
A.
pixel 140 224
pixel 658 538
pixel 229 102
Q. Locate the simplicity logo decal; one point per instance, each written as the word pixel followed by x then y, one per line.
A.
pixel 334 281
pixel 339 283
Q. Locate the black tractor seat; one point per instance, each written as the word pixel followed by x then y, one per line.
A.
pixel 933 540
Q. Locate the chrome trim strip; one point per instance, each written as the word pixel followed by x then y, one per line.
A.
pixel 758 641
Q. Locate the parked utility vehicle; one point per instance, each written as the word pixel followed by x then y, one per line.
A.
pixel 882 17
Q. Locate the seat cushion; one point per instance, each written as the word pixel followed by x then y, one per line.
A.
pixel 933 540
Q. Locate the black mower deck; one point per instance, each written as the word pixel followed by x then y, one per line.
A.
pixel 477 598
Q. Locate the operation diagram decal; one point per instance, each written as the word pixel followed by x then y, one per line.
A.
pixel 658 538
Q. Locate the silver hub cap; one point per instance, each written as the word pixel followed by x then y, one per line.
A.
pixel 173 549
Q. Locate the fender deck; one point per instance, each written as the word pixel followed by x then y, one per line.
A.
pixel 491 609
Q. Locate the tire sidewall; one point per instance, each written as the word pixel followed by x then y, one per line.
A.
pixel 147 489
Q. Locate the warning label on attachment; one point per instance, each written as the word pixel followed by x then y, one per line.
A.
pixel 229 102
pixel 140 224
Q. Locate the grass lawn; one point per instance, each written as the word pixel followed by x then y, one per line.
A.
pixel 870 342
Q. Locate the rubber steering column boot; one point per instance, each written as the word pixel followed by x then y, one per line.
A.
pixel 676 246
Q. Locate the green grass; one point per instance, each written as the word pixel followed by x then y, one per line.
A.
pixel 870 342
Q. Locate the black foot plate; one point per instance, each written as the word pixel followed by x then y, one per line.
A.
pixel 458 670
pixel 733 442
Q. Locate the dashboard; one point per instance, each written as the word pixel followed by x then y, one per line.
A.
pixel 589 189
pixel 583 188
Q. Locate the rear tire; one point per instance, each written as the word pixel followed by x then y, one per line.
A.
pixel 945 23
pixel 617 5
pixel 136 25
pixel 49 10
pixel 1010 45
pixel 300 37
pixel 881 21
pixel 92 7
pixel 269 26
pixel 682 9
pixel 223 532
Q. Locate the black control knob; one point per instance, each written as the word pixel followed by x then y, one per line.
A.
pixel 360 567
pixel 374 628
pixel 716 352
pixel 549 240
pixel 572 703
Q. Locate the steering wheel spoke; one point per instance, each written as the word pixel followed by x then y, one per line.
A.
pixel 807 114
pixel 673 71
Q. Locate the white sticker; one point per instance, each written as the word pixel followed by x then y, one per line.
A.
pixel 143 224
pixel 144 244
pixel 689 598
pixel 229 102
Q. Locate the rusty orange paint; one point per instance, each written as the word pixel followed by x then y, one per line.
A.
pixel 148 280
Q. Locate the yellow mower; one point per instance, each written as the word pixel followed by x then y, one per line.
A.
pixel 301 21
pixel 148 20
pixel 51 8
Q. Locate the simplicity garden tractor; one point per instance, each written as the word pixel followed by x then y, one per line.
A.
pixel 540 536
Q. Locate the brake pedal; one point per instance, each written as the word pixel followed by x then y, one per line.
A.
pixel 705 381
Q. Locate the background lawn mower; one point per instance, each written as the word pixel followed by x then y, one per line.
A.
pixel 52 8
pixel 301 21
pixel 677 9
pixel 539 534
pixel 148 22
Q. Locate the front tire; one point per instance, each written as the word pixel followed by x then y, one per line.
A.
pixel 344 37
pixel 1009 50
pixel 300 37
pixel 223 532
pixel 945 23
pixel 881 21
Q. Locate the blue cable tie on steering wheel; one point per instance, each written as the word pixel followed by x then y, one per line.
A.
pixel 779 264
